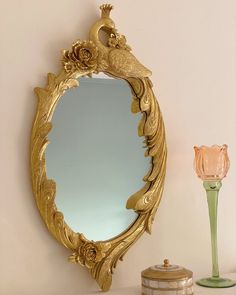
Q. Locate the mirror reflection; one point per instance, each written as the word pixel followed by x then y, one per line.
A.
pixel 96 157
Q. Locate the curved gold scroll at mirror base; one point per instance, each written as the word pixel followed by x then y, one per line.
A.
pixel 116 60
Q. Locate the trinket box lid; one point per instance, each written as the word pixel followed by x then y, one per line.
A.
pixel 167 272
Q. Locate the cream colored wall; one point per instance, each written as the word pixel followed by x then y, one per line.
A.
pixel 191 48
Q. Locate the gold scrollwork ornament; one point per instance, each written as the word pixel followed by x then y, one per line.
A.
pixel 114 59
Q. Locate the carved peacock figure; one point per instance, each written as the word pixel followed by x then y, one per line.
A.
pixel 115 57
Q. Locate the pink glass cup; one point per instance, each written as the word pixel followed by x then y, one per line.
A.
pixel 211 163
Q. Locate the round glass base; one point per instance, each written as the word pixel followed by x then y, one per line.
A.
pixel 216 282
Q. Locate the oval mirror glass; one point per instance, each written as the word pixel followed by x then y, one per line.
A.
pixel 96 157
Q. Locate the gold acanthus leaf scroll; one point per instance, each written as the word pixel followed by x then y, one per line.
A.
pixel 84 59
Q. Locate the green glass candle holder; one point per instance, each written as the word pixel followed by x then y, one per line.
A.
pixel 215 281
pixel 211 165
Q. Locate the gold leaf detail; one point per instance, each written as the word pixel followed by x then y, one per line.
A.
pixel 83 56
pixel 135 106
pixel 118 41
pixel 89 253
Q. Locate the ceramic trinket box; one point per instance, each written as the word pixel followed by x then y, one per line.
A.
pixel 167 279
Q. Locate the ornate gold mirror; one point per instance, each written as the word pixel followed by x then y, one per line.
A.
pixel 92 171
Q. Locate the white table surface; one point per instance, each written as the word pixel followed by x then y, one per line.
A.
pixel 136 290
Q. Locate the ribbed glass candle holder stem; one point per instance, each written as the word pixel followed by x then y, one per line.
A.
pixel 212 190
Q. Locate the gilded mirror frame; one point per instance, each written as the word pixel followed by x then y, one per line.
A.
pixel 114 59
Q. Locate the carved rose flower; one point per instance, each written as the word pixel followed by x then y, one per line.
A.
pixel 69 67
pixel 89 252
pixel 83 56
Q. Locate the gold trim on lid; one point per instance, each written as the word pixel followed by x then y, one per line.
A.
pixel 166 272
